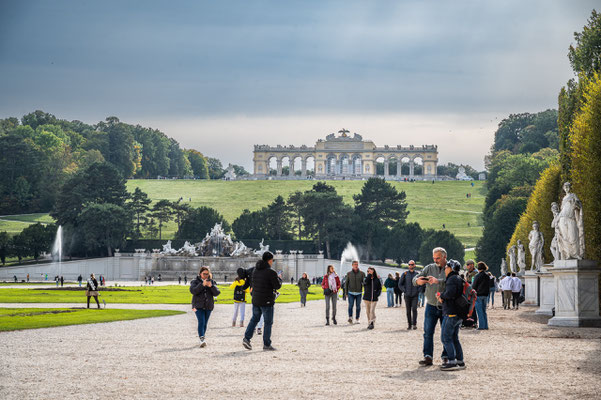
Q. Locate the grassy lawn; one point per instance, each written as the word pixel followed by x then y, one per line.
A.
pixel 173 294
pixel 432 205
pixel 27 283
pixel 12 319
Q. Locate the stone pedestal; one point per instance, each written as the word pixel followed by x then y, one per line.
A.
pixel 531 289
pixel 576 293
pixel 546 297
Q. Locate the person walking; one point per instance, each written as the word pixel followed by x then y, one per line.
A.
pixel 303 288
pixel 264 281
pixel 390 284
pixel 354 281
pixel 331 286
pixel 204 290
pixel 28 279
pixel 493 289
pixel 179 279
pixel 516 291
pixel 79 279
pixel 433 277
pixel 62 281
pixel 411 292
pixel 185 279
pixel 470 266
pixel 92 290
pixel 373 288
pixel 239 297
pixel 505 286
pixel 397 290
pixel 452 317
pixel 481 285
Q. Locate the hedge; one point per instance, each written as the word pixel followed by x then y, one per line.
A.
pixel 546 191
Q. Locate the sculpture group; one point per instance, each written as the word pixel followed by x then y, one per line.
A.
pixel 216 243
pixel 568 238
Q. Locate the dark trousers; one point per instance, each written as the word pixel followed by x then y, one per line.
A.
pixel 515 299
pixel 267 313
pixel 95 298
pixel 397 298
pixel 411 306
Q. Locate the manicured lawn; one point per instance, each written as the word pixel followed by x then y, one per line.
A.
pixel 432 205
pixel 173 294
pixel 12 319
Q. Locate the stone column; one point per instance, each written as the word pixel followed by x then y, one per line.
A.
pixel 411 168
pixel 531 290
pixel 576 293
pixel 546 291
pixel 290 167
pixel 303 167
pixel 386 167
pixel 398 168
pixel 279 167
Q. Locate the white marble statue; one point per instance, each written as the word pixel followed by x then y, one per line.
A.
pixel 167 249
pixel 187 250
pixel 537 242
pixel 521 257
pixel 263 248
pixel 570 241
pixel 503 267
pixel 555 226
pixel 513 266
pixel 240 250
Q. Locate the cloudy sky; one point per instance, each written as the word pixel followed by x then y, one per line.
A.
pixel 220 76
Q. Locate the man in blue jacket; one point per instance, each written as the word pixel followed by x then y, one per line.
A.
pixel 411 294
pixel 452 319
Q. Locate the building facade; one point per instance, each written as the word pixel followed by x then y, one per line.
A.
pixel 345 157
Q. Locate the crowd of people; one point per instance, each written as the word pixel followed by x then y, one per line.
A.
pixel 454 298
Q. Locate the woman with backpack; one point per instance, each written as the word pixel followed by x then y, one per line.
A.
pixel 303 287
pixel 331 286
pixel 204 290
pixel 372 289
pixel 239 297
pixel 390 284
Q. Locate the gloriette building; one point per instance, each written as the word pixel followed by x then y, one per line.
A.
pixel 345 157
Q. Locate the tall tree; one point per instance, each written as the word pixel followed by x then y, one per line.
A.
pixel 105 226
pixel 162 212
pixel 198 222
pixel 139 205
pixel 250 225
pixel 295 206
pixel 585 57
pixel 198 163
pixel 379 204
pixel 278 220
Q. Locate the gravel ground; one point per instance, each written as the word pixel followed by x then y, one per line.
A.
pixel 520 357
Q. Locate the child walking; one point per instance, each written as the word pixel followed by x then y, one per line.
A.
pixel 239 297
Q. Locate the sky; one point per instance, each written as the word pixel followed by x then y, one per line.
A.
pixel 221 76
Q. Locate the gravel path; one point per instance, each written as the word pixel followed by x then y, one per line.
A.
pixel 520 357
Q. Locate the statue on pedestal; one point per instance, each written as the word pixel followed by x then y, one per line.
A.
pixel 503 267
pixel 521 257
pixel 537 241
pixel 570 241
pixel 512 259
pixel 555 226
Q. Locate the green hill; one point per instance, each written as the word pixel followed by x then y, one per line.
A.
pixel 432 205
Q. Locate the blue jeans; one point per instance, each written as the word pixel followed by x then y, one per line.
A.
pixel 354 298
pixel 481 312
pixel 390 296
pixel 450 338
pixel 203 320
pixel 267 313
pixel 491 298
pixel 431 317
pixel 420 299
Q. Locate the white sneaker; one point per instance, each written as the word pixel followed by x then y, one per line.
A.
pixel 202 342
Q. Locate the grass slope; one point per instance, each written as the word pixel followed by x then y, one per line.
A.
pixel 429 204
pixel 172 294
pixel 12 319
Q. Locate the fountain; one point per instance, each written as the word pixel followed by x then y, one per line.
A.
pixel 349 254
pixel 57 248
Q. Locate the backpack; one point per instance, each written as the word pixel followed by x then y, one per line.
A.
pixel 466 302
pixel 239 293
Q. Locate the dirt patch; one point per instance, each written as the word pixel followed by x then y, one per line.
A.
pixel 31 314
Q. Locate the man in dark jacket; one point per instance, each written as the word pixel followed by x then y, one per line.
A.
pixel 353 287
pixel 481 285
pixel 411 294
pixel 452 321
pixel 264 282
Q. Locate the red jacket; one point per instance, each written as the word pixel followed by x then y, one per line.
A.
pixel 325 284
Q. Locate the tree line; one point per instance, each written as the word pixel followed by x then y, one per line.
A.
pixel 39 153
